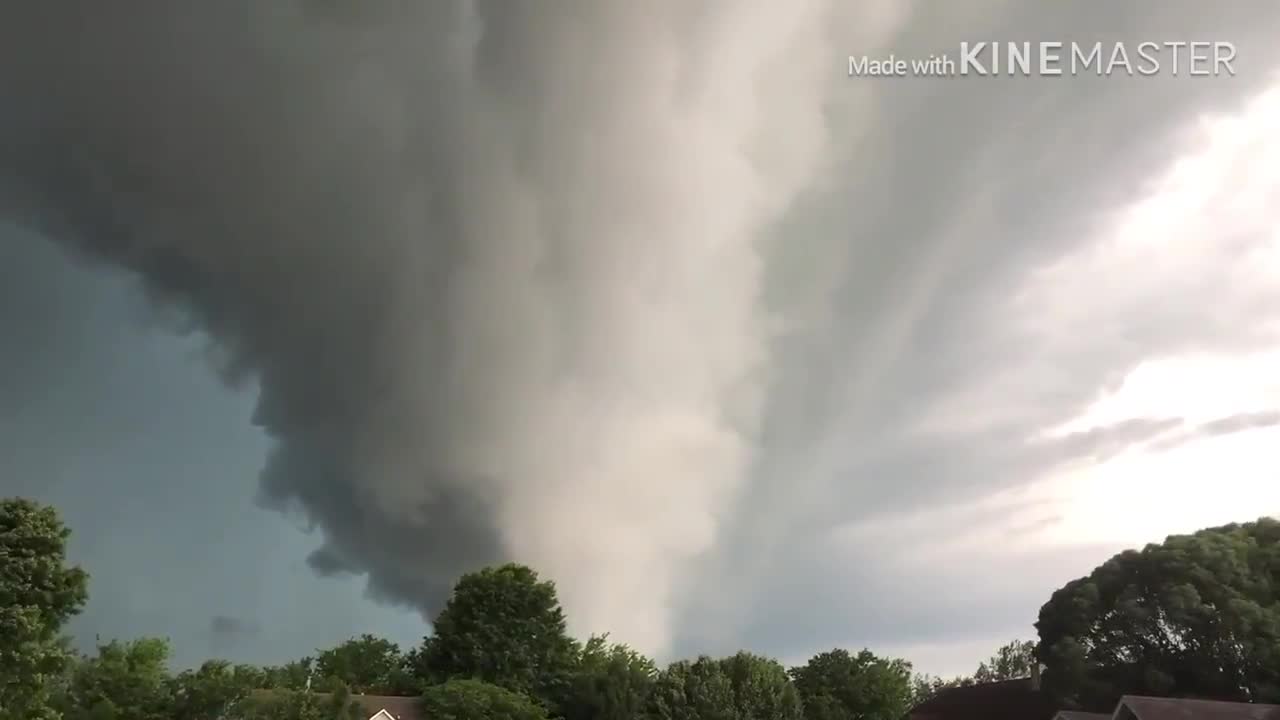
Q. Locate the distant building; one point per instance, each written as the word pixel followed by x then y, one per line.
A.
pixel 388 707
pixel 1023 700
pixel 1019 699
pixel 1077 715
pixel 1133 707
pixel 372 707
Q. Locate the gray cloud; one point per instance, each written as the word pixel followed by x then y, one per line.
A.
pixel 232 626
pixel 492 268
pixel 1240 423
pixel 1229 425
pixel 945 341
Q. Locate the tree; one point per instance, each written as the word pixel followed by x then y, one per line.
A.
pixel 740 687
pixel 125 681
pixel 610 682
pixel 835 685
pixel 761 688
pixel 217 689
pixel 504 626
pixel 465 699
pixel 367 664
pixel 336 704
pixel 290 676
pixel 1013 660
pixel 698 690
pixel 1198 615
pixel 39 593
pixel 924 686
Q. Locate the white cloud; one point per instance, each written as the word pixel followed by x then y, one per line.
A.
pixel 1206 244
pixel 1090 367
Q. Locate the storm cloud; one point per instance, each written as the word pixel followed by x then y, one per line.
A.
pixel 231 626
pixel 495 269
pixel 651 296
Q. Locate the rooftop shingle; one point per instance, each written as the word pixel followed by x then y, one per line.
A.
pixel 1150 708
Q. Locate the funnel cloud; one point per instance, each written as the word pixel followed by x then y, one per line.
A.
pixel 495 269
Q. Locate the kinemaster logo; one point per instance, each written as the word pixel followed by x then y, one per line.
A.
pixel 1179 58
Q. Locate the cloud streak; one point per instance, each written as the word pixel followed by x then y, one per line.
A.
pixel 1013 250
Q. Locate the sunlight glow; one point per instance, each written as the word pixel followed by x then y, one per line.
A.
pixel 1222 202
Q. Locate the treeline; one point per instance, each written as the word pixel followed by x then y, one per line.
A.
pixel 501 651
pixel 1196 616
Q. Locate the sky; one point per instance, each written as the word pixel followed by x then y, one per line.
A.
pixel 303 318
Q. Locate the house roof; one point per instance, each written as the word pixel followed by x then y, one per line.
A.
pixel 1150 708
pixel 1006 700
pixel 399 708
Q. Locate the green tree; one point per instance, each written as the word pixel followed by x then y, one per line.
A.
pixel 1012 660
pixel 610 682
pixel 38 594
pixel 282 704
pixel 1198 615
pixel 761 688
pixel 925 686
pixel 740 687
pixel 502 625
pixel 366 664
pixel 125 681
pixel 835 685
pixel 290 676
pixel 466 699
pixel 698 690
pixel 215 690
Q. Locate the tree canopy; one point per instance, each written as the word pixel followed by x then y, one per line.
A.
pixel 1197 615
pixel 761 688
pixel 502 625
pixel 39 593
pixel 467 699
pixel 1015 659
pixel 610 682
pixel 740 687
pixel 1010 661
pixel 279 704
pixel 698 690
pixel 367 665
pixel 837 684
pixel 214 690
pixel 125 681
pixel 289 676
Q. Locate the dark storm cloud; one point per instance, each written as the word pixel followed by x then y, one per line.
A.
pixel 117 422
pixel 462 249
pixel 223 625
pixel 171 140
